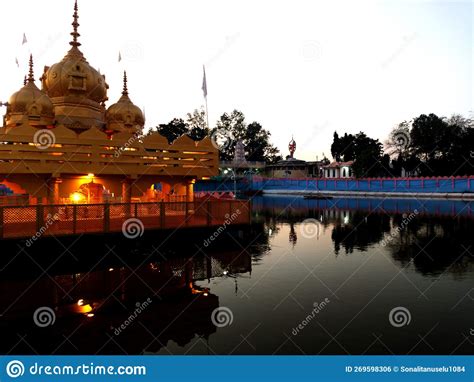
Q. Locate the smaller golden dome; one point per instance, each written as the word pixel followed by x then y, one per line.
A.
pixel 29 104
pixel 124 115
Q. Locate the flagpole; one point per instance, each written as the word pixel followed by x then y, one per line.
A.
pixel 204 90
pixel 207 114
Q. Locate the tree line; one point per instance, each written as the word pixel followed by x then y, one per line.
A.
pixel 428 145
pixel 230 128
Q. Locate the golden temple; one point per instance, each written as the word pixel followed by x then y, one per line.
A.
pixel 62 144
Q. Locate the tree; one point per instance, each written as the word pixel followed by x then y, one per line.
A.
pixel 366 152
pixel 196 123
pixel 233 127
pixel 172 130
pixel 437 146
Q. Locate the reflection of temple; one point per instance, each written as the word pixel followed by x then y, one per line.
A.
pixel 93 305
pixel 79 150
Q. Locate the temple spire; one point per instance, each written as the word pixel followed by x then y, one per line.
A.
pixel 75 34
pixel 30 72
pixel 125 89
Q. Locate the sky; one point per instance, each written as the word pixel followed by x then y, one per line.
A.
pixel 300 68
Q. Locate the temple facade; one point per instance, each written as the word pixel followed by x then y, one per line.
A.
pixel 63 144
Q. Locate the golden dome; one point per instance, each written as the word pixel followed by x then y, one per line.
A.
pixel 31 103
pixel 124 115
pixel 78 91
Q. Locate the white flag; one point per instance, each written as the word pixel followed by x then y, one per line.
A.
pixel 204 82
pixel 24 39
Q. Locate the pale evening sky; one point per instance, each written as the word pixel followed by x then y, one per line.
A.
pixel 301 68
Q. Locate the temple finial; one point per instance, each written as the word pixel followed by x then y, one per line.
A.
pixel 125 89
pixel 25 81
pixel 30 72
pixel 75 24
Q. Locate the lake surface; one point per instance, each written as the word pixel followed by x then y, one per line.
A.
pixel 343 276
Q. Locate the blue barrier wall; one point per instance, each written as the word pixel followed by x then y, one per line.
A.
pixel 409 185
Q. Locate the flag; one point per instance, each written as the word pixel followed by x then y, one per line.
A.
pixel 120 56
pixel 24 39
pixel 17 63
pixel 204 82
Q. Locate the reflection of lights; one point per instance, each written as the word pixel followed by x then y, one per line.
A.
pixel 346 219
pixel 205 294
pixel 90 315
pixel 90 175
pixel 270 231
pixel 111 269
pixel 321 218
pixel 80 302
pixel 225 272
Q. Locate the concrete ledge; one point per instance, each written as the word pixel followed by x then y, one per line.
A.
pixel 364 194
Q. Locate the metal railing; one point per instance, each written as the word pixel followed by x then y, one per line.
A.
pixel 72 219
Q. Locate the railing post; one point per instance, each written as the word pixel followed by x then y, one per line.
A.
pixel 74 218
pixel 106 217
pixel 162 214
pixel 186 216
pixel 1 222
pixel 209 216
pixel 39 217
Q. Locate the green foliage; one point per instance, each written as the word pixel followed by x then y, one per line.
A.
pixel 438 147
pixel 366 152
pixel 255 138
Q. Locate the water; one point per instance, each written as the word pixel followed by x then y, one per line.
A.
pixel 344 276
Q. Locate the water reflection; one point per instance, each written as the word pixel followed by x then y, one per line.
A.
pixel 120 306
pixel 434 236
pixel 158 294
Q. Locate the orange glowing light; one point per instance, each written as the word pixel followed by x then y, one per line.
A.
pixel 77 197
